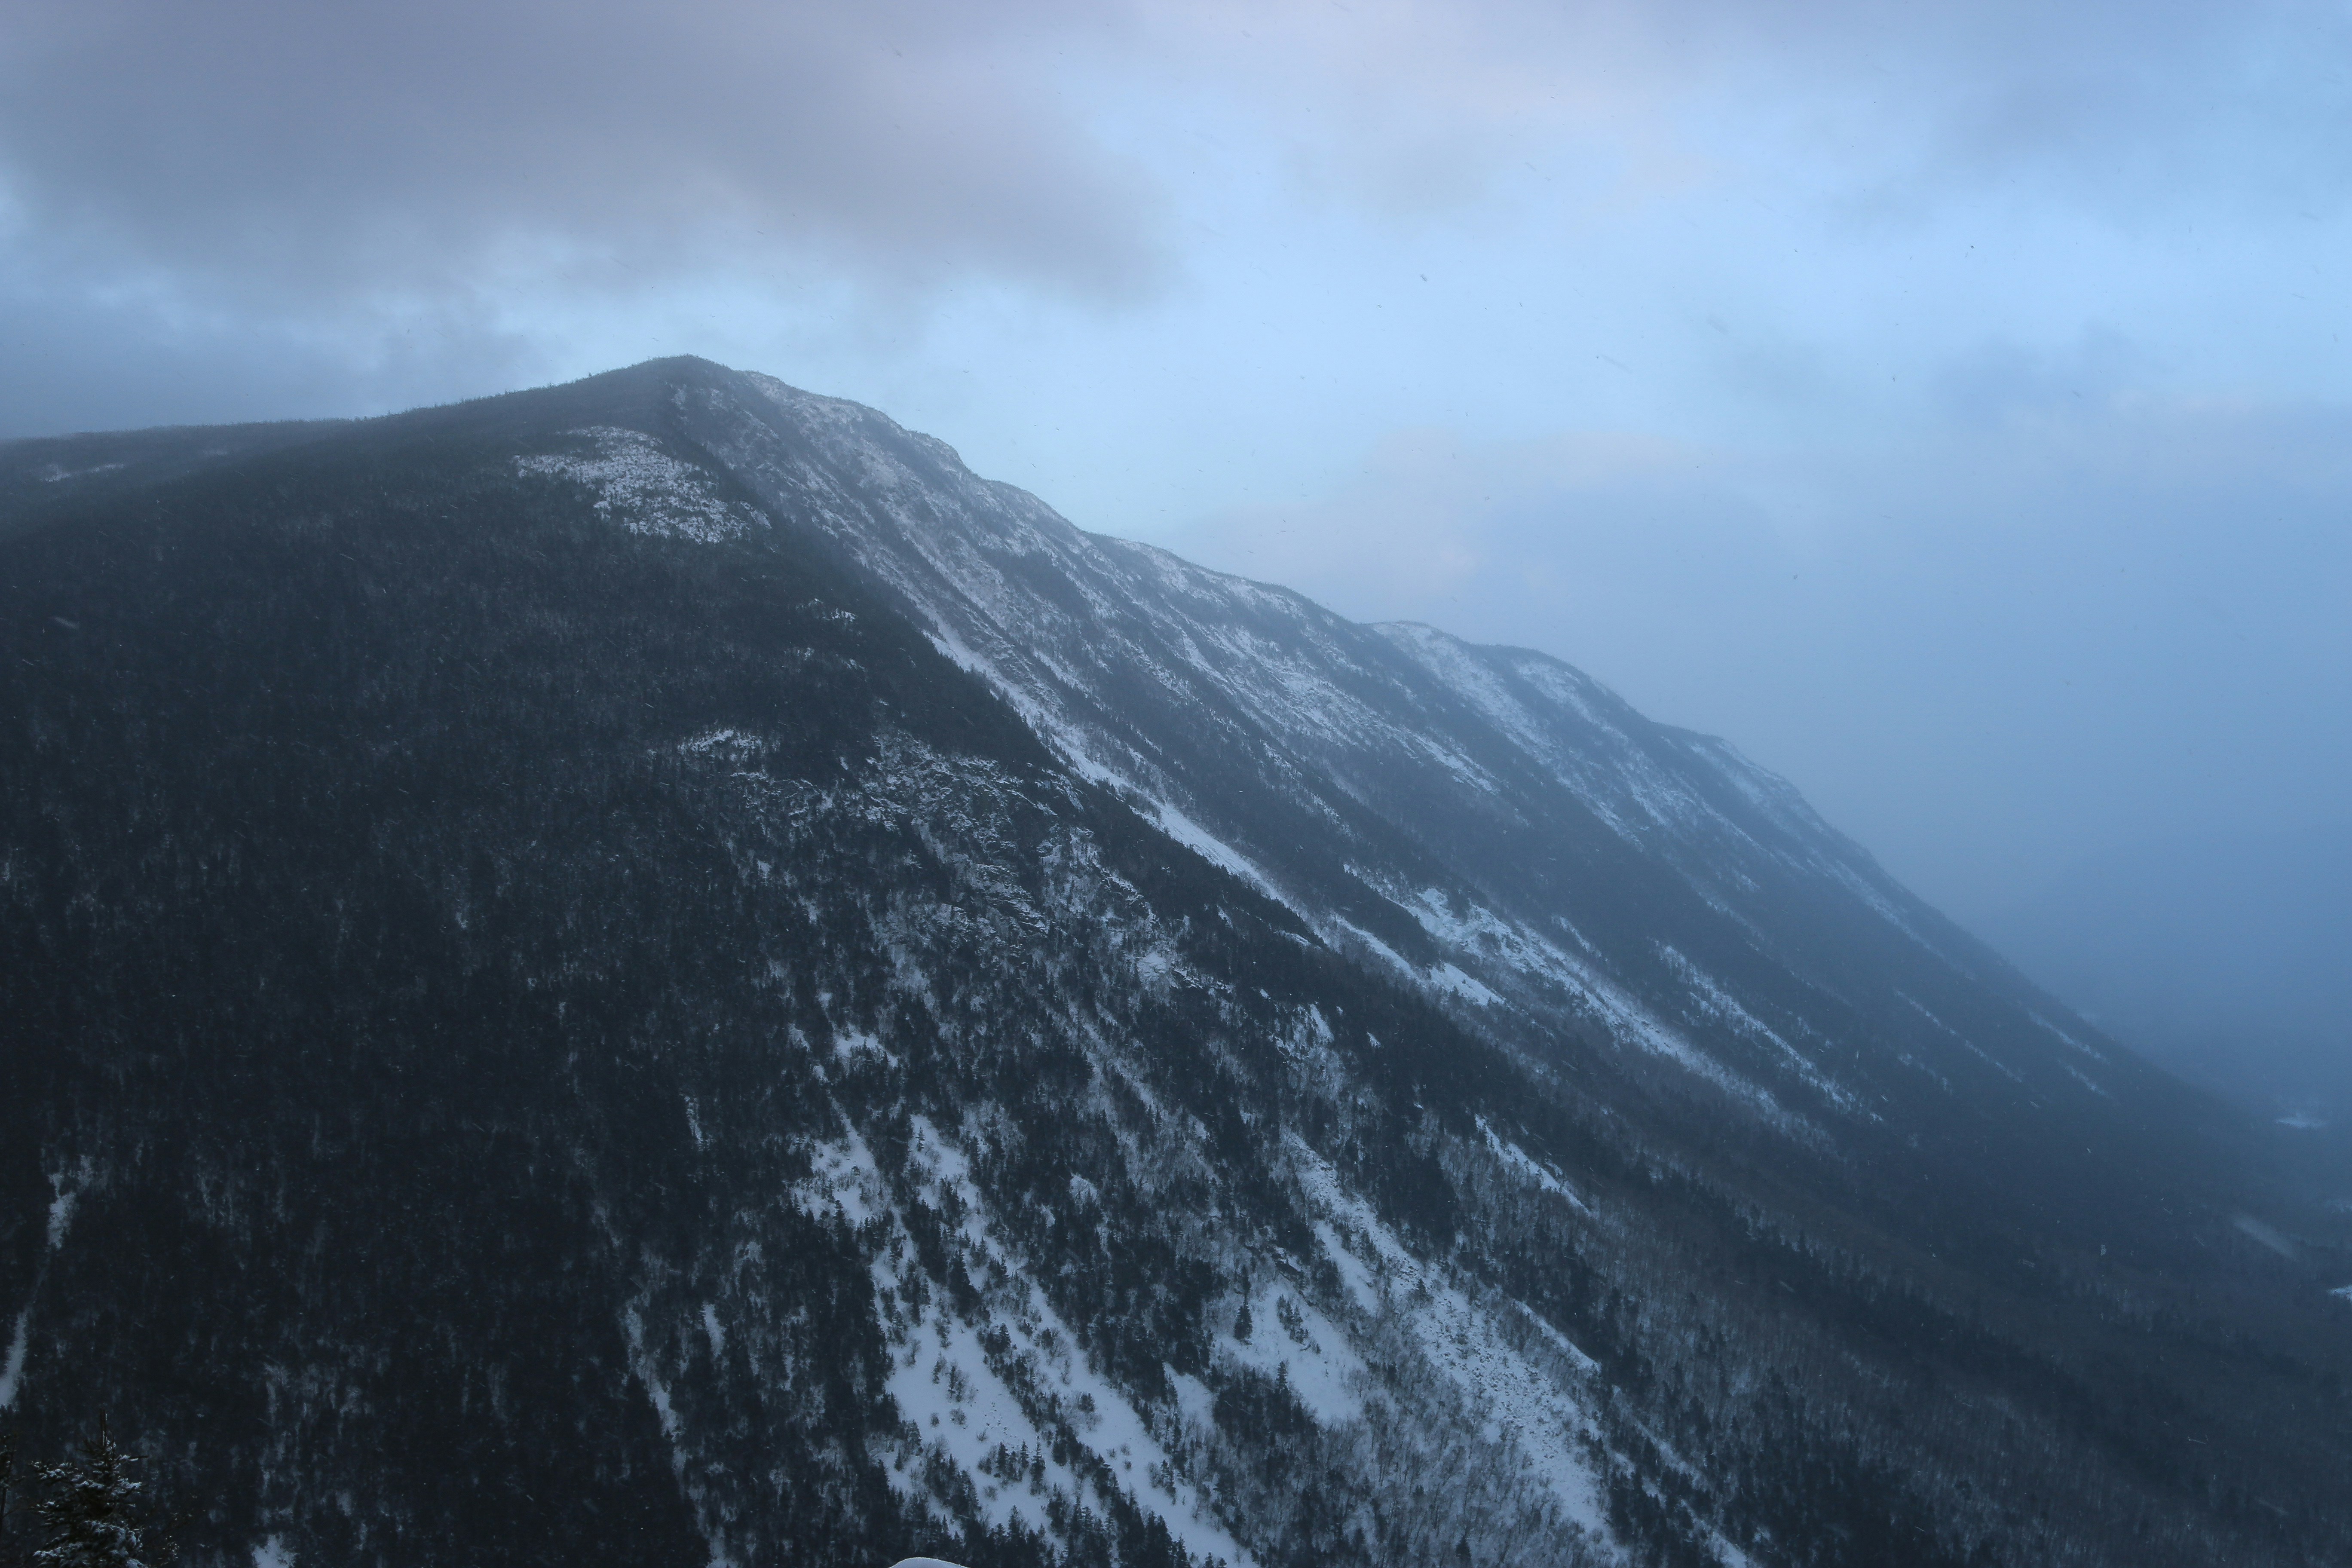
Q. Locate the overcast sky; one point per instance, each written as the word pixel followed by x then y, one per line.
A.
pixel 1948 403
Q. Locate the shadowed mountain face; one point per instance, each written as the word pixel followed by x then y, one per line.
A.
pixel 652 970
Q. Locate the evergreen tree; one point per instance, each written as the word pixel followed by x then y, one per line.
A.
pixel 90 1513
pixel 7 1474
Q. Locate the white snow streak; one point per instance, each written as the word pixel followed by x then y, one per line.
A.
pixel 1518 1159
pixel 1517 1397
pixel 12 1372
pixel 1213 849
pixel 2255 1230
pixel 61 1210
pixel 947 1385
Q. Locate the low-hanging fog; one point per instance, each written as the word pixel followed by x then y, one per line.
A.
pixel 1949 404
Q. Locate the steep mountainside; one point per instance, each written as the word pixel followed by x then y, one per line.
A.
pixel 652 970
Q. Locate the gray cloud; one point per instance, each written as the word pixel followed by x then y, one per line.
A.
pixel 251 150
pixel 2120 106
pixel 75 363
pixel 432 196
pixel 250 154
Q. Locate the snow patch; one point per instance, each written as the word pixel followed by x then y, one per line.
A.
pixel 12 1371
pixel 848 1045
pixel 61 1208
pixel 1519 1160
pixel 1362 1284
pixel 1517 950
pixel 943 1386
pixel 1726 1008
pixel 1197 1404
pixel 1516 1398
pixel 645 489
pixel 1211 849
pixel 724 745
pixel 714 1330
pixel 844 1180
pixel 2086 1080
pixel 1450 979
pixel 1375 945
pixel 1557 1339
pixel 632 1328
pixel 947 1383
pixel 2248 1226
pixel 1963 1041
pixel 1291 1341
pixel 56 474
pixel 2065 1038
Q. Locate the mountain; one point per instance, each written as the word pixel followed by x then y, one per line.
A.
pixel 652 970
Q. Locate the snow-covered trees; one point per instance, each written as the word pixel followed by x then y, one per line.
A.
pixel 92 1513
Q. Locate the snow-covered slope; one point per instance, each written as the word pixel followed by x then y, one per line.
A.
pixel 653 972
pixel 1492 825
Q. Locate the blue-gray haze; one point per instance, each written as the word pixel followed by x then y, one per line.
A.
pixel 1948 403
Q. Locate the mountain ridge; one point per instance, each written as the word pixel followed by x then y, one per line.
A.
pixel 748 853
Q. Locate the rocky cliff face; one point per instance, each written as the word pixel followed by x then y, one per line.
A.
pixel 653 971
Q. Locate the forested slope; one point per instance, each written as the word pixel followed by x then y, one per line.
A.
pixel 557 1009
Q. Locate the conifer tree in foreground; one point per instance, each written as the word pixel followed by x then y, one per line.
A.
pixel 7 1473
pixel 91 1510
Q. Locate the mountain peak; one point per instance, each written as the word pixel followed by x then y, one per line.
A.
pixel 654 969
